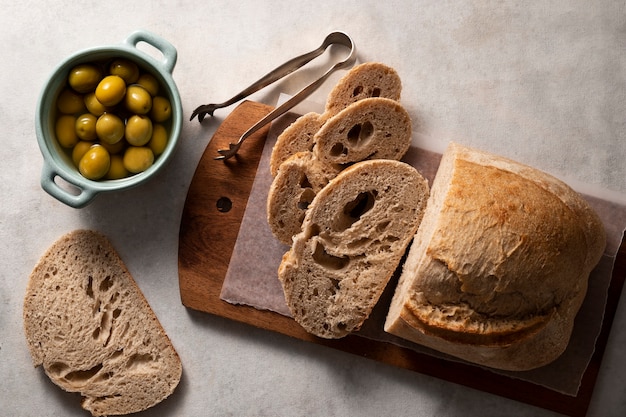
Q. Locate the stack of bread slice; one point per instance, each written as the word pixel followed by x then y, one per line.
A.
pixel 362 120
pixel 343 202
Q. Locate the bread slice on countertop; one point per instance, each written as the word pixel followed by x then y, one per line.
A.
pixel 90 327
pixel 353 237
pixel 499 266
pixel 372 128
pixel 370 79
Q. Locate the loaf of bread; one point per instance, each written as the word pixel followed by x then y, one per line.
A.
pixel 370 79
pixel 499 266
pixel 372 128
pixel 90 327
pixel 354 234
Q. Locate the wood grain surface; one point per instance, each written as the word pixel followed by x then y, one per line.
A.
pixel 208 233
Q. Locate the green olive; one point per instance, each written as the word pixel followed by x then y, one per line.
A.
pixel 93 105
pixel 137 99
pixel 70 102
pixel 138 159
pixel 126 69
pixel 65 130
pixel 150 83
pixel 117 170
pixel 86 127
pixel 111 90
pixel 84 78
pixel 138 130
pixel 158 142
pixel 95 163
pixel 115 148
pixel 161 109
pixel 79 150
pixel 109 128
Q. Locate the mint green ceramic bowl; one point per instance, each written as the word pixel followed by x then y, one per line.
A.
pixel 57 162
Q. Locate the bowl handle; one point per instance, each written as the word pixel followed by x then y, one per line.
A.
pixel 51 187
pixel 167 49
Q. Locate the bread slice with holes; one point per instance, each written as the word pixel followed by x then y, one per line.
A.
pixel 370 79
pixel 353 237
pixel 297 137
pixel 372 128
pixel 499 266
pixel 90 327
pixel 301 177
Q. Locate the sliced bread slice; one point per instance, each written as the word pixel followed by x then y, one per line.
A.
pixel 372 128
pixel 297 137
pixel 90 327
pixel 370 79
pixel 353 237
pixel 300 178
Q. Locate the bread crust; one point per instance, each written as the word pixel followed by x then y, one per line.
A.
pixel 90 327
pixel 354 234
pixel 500 264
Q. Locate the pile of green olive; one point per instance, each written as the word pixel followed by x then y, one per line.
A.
pixel 111 119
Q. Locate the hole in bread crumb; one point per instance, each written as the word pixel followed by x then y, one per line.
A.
pixel 90 287
pixel 375 92
pixel 306 198
pixel 57 368
pixel 360 134
pixel 357 90
pixel 304 182
pixel 328 261
pixel 353 211
pixel 382 226
pixel 338 149
pixel 106 284
pixel 82 375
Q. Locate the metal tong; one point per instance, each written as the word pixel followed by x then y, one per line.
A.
pixel 283 70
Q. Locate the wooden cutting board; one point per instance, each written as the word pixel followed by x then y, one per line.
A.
pixel 212 214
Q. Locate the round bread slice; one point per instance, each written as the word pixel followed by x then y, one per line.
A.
pixel 353 237
pixel 372 128
pixel 499 266
pixel 90 327
pixel 299 179
pixel 370 79
pixel 297 137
